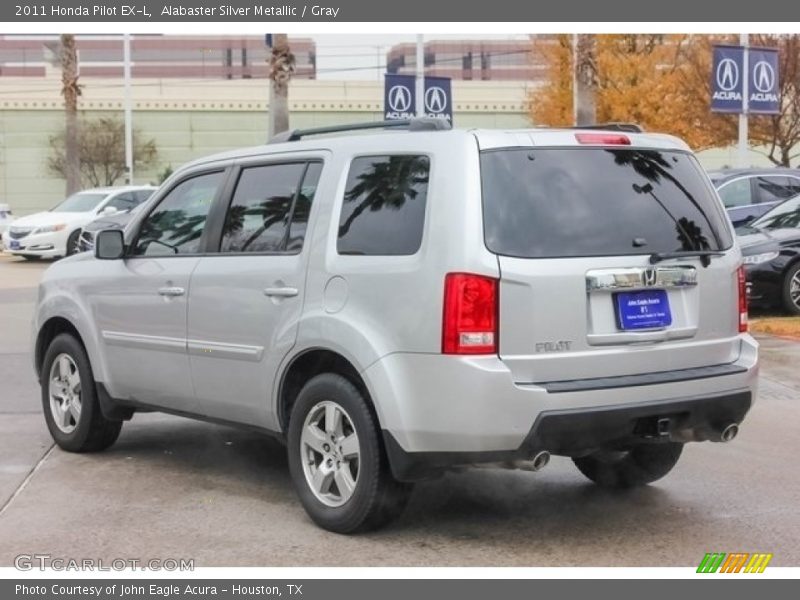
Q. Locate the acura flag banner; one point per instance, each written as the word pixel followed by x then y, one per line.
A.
pixel 399 97
pixel 764 87
pixel 728 80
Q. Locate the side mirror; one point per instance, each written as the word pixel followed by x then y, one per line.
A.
pixel 108 210
pixel 109 244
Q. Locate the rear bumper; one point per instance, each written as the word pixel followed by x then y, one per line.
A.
pixel 446 406
pixel 576 432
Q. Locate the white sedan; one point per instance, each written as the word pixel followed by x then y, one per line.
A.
pixel 55 232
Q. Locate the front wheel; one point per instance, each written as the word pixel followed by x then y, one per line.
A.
pixel 69 399
pixel 72 243
pixel 633 467
pixel 791 290
pixel 336 459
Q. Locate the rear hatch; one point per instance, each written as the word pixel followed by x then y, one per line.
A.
pixel 575 229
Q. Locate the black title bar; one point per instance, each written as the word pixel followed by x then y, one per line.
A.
pixel 607 11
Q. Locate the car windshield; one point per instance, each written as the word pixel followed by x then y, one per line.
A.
pixel 80 202
pixel 786 214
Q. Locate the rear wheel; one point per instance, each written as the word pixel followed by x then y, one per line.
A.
pixel 633 467
pixel 337 461
pixel 69 399
pixel 791 290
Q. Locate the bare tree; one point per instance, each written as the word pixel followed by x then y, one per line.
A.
pixel 70 90
pixel 282 66
pixel 585 79
pixel 101 152
pixel 778 136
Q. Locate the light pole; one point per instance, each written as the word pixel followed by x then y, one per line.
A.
pixel 744 40
pixel 126 46
pixel 419 109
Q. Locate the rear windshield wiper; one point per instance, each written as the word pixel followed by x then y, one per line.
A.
pixel 705 256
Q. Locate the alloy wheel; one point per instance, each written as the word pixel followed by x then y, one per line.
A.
pixel 65 393
pixel 794 289
pixel 330 453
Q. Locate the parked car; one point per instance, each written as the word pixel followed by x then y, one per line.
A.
pixel 771 248
pixel 396 305
pixel 114 221
pixel 749 193
pixel 55 232
pixel 5 220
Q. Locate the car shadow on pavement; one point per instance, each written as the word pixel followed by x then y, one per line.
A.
pixel 553 504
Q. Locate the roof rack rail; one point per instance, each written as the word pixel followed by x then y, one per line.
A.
pixel 627 127
pixel 413 124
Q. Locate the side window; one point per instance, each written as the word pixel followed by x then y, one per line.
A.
pixel 176 225
pixel 383 212
pixel 123 202
pixel 736 193
pixel 792 186
pixel 772 188
pixel 261 211
pixel 142 195
pixel 302 208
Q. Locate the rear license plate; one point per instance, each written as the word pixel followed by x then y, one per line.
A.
pixel 648 309
pixel 13 245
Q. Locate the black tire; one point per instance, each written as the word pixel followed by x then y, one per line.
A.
pixel 635 467
pixel 377 497
pixel 92 431
pixel 72 242
pixel 788 303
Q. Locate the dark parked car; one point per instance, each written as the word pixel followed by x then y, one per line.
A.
pixel 115 221
pixel 749 193
pixel 771 248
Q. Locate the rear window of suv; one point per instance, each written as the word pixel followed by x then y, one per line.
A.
pixel 569 202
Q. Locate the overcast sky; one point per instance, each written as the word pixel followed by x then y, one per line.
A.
pixel 362 56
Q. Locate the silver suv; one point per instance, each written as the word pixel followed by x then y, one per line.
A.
pixel 398 304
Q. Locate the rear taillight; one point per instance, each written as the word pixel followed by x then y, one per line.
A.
pixel 742 280
pixel 603 139
pixel 469 325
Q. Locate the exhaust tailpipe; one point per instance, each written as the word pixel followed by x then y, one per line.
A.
pixel 540 460
pixel 729 433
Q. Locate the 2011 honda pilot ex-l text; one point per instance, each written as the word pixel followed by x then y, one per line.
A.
pixel 400 303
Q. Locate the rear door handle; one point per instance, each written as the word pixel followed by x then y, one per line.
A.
pixel 171 291
pixel 281 292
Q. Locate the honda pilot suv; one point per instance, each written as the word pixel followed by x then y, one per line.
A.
pixel 400 304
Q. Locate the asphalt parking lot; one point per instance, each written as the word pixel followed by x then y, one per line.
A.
pixel 175 488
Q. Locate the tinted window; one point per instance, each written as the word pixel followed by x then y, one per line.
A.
pixel 597 202
pixel 793 186
pixel 783 215
pixel 261 211
pixel 142 195
pixel 736 193
pixel 176 225
pixel 383 211
pixel 773 188
pixel 302 208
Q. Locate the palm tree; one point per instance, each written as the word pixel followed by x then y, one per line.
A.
pixel 71 90
pixel 281 69
pixel 585 61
